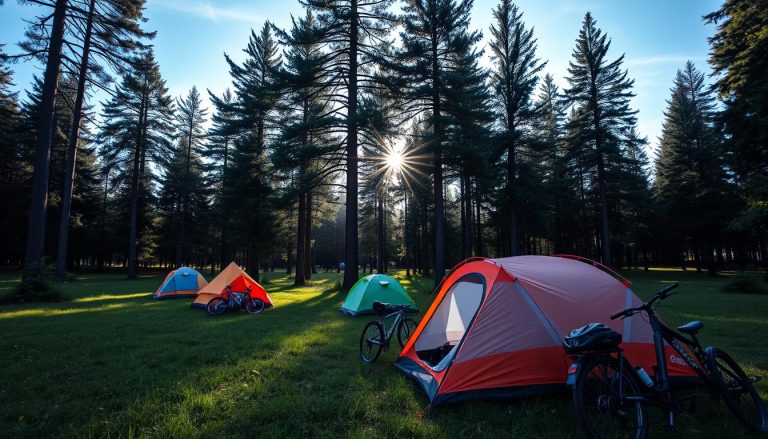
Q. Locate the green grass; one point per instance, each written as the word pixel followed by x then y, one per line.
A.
pixel 113 363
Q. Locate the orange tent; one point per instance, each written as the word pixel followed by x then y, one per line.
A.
pixel 234 277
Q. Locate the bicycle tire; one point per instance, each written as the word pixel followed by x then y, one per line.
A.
pixel 216 306
pixel 404 331
pixel 598 404
pixel 254 306
pixel 371 341
pixel 732 383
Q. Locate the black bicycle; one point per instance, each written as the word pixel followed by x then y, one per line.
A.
pixel 376 336
pixel 235 300
pixel 610 396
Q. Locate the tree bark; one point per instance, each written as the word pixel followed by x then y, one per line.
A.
pixel 40 177
pixel 350 232
pixel 300 278
pixel 405 236
pixel 135 189
pixel 602 187
pixel 308 263
pixel 467 203
pixel 511 179
pixel 379 234
pixel 74 135
pixel 479 224
pixel 437 157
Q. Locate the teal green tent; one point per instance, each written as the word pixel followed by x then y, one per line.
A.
pixel 375 287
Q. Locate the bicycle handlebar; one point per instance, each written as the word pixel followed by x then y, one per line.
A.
pixel 660 295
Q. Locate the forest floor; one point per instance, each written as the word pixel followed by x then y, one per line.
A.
pixel 114 363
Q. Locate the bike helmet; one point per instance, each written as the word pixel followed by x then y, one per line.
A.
pixel 591 337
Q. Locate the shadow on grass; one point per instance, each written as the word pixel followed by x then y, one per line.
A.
pixel 161 369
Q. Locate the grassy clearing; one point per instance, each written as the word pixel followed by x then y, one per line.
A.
pixel 114 363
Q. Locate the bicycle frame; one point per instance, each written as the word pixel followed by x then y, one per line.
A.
pixel 388 333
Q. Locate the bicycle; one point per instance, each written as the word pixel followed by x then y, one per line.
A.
pixel 235 300
pixel 610 396
pixel 376 336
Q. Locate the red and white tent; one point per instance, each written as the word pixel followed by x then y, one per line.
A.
pixel 496 326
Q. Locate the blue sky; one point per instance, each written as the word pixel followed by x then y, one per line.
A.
pixel 657 37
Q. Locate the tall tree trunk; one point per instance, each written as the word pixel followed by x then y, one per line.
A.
pixel 463 217
pixel 74 135
pixel 405 236
pixel 135 189
pixel 467 203
pixel 479 224
pixel 254 263
pixel 103 226
pixel 350 229
pixel 602 186
pixel 308 263
pixel 289 260
pixel 379 233
pixel 300 278
pixel 437 157
pixel 38 206
pixel 223 257
pixel 511 181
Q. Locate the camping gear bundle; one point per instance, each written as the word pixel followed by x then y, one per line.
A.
pixel 235 277
pixel 187 282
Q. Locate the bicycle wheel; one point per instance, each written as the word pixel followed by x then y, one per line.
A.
pixel 599 397
pixel 217 306
pixel 371 341
pixel 737 390
pixel 404 331
pixel 254 306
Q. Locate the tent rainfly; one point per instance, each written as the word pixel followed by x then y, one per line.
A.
pixel 496 326
pixel 375 287
pixel 182 282
pixel 237 279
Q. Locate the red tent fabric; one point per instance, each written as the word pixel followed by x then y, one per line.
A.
pixel 496 326
pixel 238 280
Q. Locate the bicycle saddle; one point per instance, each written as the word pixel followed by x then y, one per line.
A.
pixel 691 327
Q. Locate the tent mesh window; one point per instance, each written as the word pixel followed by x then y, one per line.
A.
pixel 439 340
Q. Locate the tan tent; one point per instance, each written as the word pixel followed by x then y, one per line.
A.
pixel 237 279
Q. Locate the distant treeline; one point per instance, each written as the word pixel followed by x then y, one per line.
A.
pixel 336 144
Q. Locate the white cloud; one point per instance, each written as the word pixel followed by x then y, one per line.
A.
pixel 663 59
pixel 206 9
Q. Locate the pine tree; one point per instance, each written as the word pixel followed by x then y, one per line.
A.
pixel 739 59
pixel 33 255
pixel 434 32
pixel 357 35
pixel 306 149
pixel 468 135
pixel 138 126
pixel 183 205
pixel 601 92
pixel 557 182
pixel 218 151
pixel 190 120
pixel 108 34
pixel 514 80
pixel 15 171
pixel 254 116
pixel 690 183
